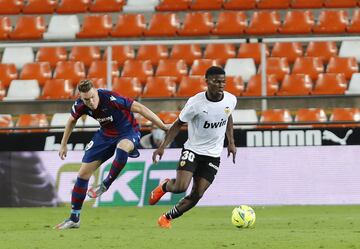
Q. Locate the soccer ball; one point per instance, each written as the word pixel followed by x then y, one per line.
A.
pixel 243 216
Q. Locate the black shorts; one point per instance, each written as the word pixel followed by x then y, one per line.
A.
pixel 202 166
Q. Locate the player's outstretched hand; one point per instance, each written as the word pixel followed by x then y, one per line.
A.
pixel 232 150
pixel 158 152
pixel 63 152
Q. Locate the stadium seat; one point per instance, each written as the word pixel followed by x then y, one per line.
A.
pixel 168 117
pixel 252 50
pixel 73 6
pixel 106 5
pixel 325 50
pixel 276 66
pixel 32 120
pixel 163 24
pixel 85 54
pixel 12 7
pixel 354 25
pixel 330 83
pixel 40 71
pixel 240 67
pixel 306 4
pixel 350 49
pixel 28 28
pixel 191 85
pixel 316 115
pixel 254 85
pixel 273 4
pixel 18 56
pixel 126 86
pixel 73 70
pixel 60 119
pixel 275 115
pixel 129 25
pixel 154 53
pixel 8 73
pixel 173 5
pixel 5 27
pixel 172 67
pixel 2 90
pixel 238 22
pixel 340 4
pixel 220 52
pixel 159 87
pixel 264 23
pixel 16 90
pixel 239 4
pixel 187 52
pixel 98 69
pixel 200 66
pixel 99 83
pixel 345 65
pixel 331 21
pixel 234 85
pixel 121 53
pixel 62 27
pixel 289 50
pixel 296 84
pixel 40 6
pixel 308 65
pixel 6 121
pixel 51 55
pixel 206 5
pixel 297 22
pixel 197 24
pixel 95 26
pixel 140 5
pixel 345 114
pixel 243 116
pixel 57 89
pixel 137 68
pixel 354 84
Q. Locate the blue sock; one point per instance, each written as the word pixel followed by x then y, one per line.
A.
pixel 77 198
pixel 116 167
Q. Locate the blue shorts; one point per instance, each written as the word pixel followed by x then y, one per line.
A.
pixel 102 147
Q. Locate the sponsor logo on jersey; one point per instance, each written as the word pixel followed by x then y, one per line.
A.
pixel 207 124
pixel 101 120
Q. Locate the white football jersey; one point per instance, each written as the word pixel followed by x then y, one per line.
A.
pixel 207 121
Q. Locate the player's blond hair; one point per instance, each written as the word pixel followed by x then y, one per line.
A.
pixel 85 85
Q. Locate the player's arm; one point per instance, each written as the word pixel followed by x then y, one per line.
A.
pixel 147 113
pixel 230 136
pixel 67 132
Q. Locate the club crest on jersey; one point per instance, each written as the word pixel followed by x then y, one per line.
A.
pixel 182 163
pixel 227 110
pixel 112 98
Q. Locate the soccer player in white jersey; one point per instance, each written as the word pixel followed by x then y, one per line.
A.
pixel 209 118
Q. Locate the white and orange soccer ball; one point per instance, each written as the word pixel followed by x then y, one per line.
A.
pixel 243 216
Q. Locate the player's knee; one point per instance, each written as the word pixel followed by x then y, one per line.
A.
pixel 84 175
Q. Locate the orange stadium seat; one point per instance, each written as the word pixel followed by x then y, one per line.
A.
pixel 98 69
pixel 340 3
pixel 2 90
pixel 163 24
pixel 345 114
pixel 264 23
pixel 197 24
pixel 331 21
pixel 296 84
pixel 240 4
pixel 5 122
pixel 325 50
pixel 344 65
pixel 275 115
pixel 32 120
pixel 96 26
pixel 99 82
pixel 316 115
pixel 172 67
pixel 168 117
pixel 289 50
pixel 173 5
pixel 57 89
pixel 159 87
pixel 129 25
pixel 251 50
pixel 330 83
pixel 127 86
pixel 28 27
pixel 297 22
pixel 5 27
pixel 191 85
pixel 308 65
pixel 187 52
pixel 276 66
pixel 51 55
pixel 220 52
pixel 137 68
pixel 206 5
pixel 354 26
pixel 234 85
pixel 73 70
pixel 273 4
pixel 254 85
pixel 85 54
pixel 11 6
pixel 40 71
pixel 106 5
pixel 154 53
pixel 200 66
pixel 73 6
pixel 306 4
pixel 238 22
pixel 121 53
pixel 40 6
pixel 8 72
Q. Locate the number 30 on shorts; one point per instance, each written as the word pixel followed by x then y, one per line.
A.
pixel 188 155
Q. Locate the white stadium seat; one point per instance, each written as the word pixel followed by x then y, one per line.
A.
pixel 60 119
pixel 350 49
pixel 18 56
pixel 354 85
pixel 62 27
pixel 23 90
pixel 244 116
pixel 240 67
pixel 140 5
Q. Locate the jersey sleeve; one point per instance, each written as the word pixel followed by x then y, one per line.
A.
pixel 78 109
pixel 121 102
pixel 188 112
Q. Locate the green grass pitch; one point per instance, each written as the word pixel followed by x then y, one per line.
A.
pixel 279 227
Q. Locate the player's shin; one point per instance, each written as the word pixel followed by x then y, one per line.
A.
pixel 116 167
pixel 77 198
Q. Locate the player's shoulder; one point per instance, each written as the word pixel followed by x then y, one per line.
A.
pixel 230 97
pixel 109 94
pixel 199 97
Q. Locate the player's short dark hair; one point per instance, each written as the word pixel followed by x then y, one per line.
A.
pixel 213 70
pixel 85 86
